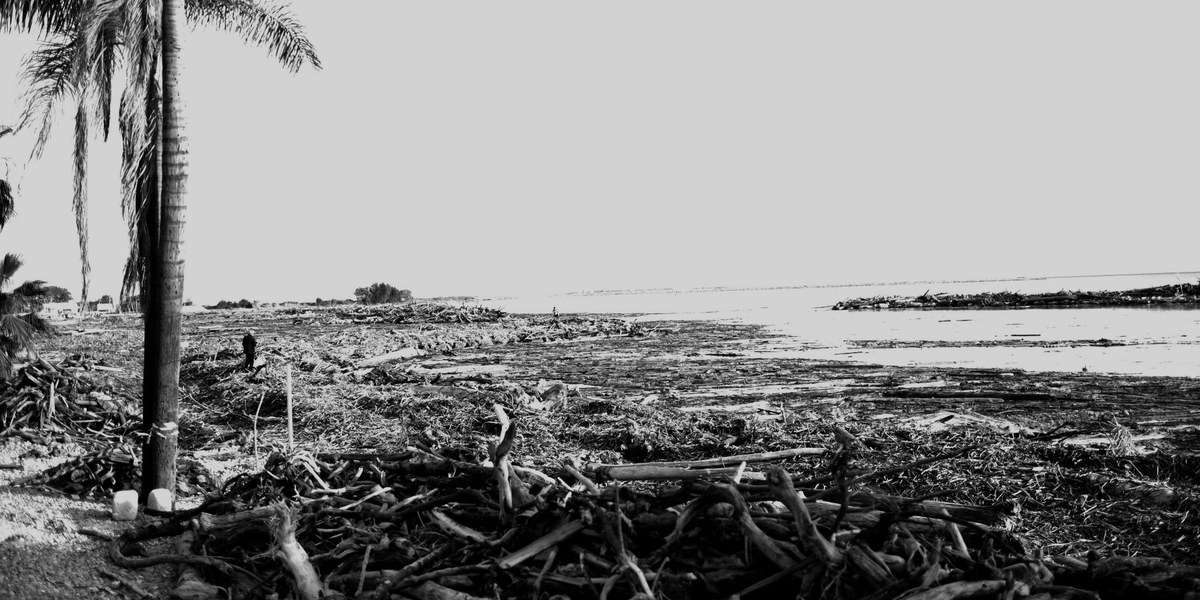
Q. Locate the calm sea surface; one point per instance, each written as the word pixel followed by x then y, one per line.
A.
pixel 1157 341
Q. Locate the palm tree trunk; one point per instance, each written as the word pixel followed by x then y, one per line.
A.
pixel 166 308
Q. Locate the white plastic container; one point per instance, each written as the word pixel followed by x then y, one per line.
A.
pixel 160 499
pixel 125 505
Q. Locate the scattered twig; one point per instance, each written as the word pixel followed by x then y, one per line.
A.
pixel 125 581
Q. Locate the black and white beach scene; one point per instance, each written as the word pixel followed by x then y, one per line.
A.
pixel 662 300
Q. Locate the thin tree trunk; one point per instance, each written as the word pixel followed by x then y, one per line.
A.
pixel 167 302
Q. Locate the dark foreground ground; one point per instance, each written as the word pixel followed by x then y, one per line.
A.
pixel 1073 463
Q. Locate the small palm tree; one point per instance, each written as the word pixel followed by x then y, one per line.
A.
pixel 16 330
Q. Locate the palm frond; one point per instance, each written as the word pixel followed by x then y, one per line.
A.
pixel 50 74
pixel 43 16
pixel 102 19
pixel 139 118
pixel 79 204
pixel 134 280
pixel 140 186
pixel 7 202
pixel 6 357
pixel 103 22
pixel 17 331
pixel 9 267
pixel 131 283
pixel 36 323
pixel 5 130
pixel 135 277
pixel 131 119
pixel 261 23
pixel 79 62
pixel 102 83
pixel 141 33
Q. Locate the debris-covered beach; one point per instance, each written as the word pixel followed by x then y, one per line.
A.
pixel 457 451
pixel 421 300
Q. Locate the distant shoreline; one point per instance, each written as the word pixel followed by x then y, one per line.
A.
pixel 1175 294
pixel 701 289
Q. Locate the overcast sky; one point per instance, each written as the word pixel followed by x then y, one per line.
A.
pixel 515 147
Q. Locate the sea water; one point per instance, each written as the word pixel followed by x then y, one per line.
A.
pixel 1151 340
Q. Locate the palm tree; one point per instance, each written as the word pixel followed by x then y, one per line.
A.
pixel 88 41
pixel 88 37
pixel 165 313
pixel 16 329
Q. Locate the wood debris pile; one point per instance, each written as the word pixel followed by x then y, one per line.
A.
pixel 44 397
pixel 1168 294
pixel 349 349
pixel 96 475
pixel 418 524
pixel 110 468
pixel 516 331
pixel 421 312
pixel 430 504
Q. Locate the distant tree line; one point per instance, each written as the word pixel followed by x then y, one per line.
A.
pixel 228 304
pixel 333 302
pixel 376 293
pixel 379 293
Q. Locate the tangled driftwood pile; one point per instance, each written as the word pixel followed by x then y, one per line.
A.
pixel 420 312
pixel 349 348
pixel 420 525
pixel 95 475
pixel 45 397
pixel 1186 293
pixel 515 331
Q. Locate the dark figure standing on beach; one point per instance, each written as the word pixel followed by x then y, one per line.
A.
pixel 248 346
